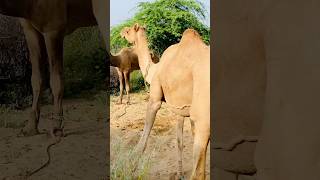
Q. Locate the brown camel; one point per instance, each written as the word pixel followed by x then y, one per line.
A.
pixel 45 23
pixel 182 80
pixel 125 62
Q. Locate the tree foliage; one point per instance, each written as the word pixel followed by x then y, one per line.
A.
pixel 15 69
pixel 84 61
pixel 165 22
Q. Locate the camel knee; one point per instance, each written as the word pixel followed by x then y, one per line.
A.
pixel 128 89
pixel 154 105
pixel 36 82
pixel 57 86
pixel 121 87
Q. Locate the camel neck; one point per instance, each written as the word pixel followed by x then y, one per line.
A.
pixel 144 56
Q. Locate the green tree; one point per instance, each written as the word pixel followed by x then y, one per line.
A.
pixel 165 21
pixel 84 61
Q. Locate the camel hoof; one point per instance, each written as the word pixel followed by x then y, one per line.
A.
pixel 27 132
pixel 56 126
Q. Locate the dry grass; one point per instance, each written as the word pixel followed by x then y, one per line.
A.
pixel 127 164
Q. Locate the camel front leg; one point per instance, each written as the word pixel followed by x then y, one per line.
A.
pixel 120 85
pixel 180 124
pixel 54 44
pixel 127 81
pixel 153 106
pixel 201 140
pixel 37 55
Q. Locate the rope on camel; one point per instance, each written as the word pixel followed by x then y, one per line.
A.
pixel 58 140
pixel 125 111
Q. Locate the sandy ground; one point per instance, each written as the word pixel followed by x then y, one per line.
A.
pixel 80 155
pixel 127 123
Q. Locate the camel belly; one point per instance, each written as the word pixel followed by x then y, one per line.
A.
pixel 80 14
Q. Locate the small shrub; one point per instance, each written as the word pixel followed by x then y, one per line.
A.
pixel 126 164
pixel 137 81
pixel 84 61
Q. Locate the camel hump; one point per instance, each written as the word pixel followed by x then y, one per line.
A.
pixel 190 34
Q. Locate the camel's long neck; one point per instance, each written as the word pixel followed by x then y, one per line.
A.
pixel 144 56
pixel 15 8
pixel 114 61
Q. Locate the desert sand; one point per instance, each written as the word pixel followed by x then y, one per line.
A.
pixel 82 154
pixel 126 125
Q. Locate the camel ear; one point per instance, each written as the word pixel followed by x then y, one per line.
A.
pixel 136 27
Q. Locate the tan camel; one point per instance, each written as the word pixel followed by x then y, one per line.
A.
pixel 45 23
pixel 182 80
pixel 147 61
pixel 125 62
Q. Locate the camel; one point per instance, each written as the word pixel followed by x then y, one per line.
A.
pixel 182 80
pixel 147 62
pixel 45 23
pixel 266 74
pixel 125 62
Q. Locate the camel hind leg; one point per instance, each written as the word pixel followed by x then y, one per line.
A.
pixel 37 56
pixel 180 124
pixel 126 75
pixel 54 44
pixel 120 74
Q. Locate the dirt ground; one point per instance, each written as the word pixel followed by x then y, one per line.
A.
pixel 82 154
pixel 127 123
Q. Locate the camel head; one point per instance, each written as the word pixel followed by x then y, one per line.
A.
pixel 131 34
